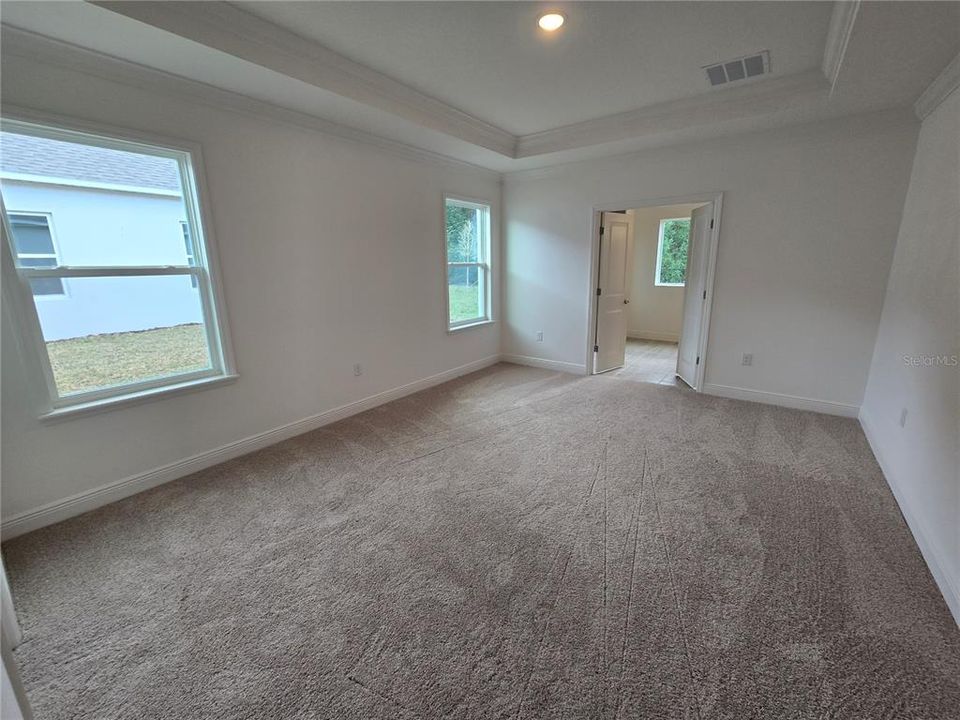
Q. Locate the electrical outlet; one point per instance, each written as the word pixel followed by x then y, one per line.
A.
pixel 903 417
pixel 539 335
pixel 747 359
pixel 358 370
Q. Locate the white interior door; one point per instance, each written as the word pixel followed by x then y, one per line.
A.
pixel 694 295
pixel 613 288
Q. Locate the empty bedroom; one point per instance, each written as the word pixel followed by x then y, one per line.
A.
pixel 473 360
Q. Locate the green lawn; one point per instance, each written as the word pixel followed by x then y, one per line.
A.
pixel 97 361
pixel 463 302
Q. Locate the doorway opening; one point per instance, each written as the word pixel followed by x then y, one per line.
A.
pixel 652 289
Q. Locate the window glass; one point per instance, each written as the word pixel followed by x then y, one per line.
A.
pixel 466 297
pixel 463 234
pixel 137 329
pixel 672 251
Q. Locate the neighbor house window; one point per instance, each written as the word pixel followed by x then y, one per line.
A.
pixel 468 263
pixel 131 325
pixel 34 248
pixel 188 247
pixel 672 252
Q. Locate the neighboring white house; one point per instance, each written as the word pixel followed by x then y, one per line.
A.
pixel 78 205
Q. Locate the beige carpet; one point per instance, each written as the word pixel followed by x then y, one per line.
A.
pixel 514 544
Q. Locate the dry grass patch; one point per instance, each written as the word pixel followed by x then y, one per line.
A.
pixel 97 361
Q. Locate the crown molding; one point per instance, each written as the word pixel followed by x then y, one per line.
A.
pixel 938 91
pixel 757 98
pixel 57 53
pixel 838 37
pixel 229 29
pixel 864 123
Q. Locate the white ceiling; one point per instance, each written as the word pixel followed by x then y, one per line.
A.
pixel 491 60
pixel 478 82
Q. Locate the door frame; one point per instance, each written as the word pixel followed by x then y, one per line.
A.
pixel 596 213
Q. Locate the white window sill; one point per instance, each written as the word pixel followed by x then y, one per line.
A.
pixel 467 326
pixel 135 398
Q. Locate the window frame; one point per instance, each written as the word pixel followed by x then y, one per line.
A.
pixel 484 262
pixel 656 276
pixel 48 216
pixel 189 158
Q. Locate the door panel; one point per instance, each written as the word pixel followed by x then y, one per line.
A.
pixel 693 296
pixel 616 250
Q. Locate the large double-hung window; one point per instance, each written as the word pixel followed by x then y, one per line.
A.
pixel 131 265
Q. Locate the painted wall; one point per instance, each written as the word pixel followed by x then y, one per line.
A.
pixel 810 217
pixel 915 364
pixel 100 227
pixel 655 311
pixel 331 254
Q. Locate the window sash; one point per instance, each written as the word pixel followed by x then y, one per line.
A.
pixel 198 273
pixel 484 288
pixel 65 271
pixel 469 264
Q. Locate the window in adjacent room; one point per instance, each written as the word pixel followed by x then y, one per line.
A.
pixel 142 314
pixel 672 252
pixel 468 263
pixel 34 248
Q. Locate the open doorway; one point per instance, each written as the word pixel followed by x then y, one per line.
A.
pixel 652 290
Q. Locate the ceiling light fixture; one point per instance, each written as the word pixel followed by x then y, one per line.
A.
pixel 551 21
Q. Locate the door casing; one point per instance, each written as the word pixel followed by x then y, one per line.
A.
pixel 596 211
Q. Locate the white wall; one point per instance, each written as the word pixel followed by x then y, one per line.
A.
pixel 331 254
pixel 810 217
pixel 105 227
pixel 655 311
pixel 915 364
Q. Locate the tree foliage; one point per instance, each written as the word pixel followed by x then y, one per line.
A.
pixel 463 241
pixel 673 255
pixel 462 234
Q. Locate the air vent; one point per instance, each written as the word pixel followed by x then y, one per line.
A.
pixel 742 68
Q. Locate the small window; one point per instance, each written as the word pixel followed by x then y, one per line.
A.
pixel 672 252
pixel 468 263
pixel 33 244
pixel 141 315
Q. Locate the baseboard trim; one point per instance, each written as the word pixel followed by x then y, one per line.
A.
pixel 949 586
pixel 790 401
pixel 567 367
pixel 658 336
pixel 110 492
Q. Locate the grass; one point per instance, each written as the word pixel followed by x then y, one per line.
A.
pixel 463 302
pixel 97 361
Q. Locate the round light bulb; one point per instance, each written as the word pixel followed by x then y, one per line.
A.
pixel 550 21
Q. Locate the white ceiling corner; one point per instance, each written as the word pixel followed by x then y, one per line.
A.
pixel 943 85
